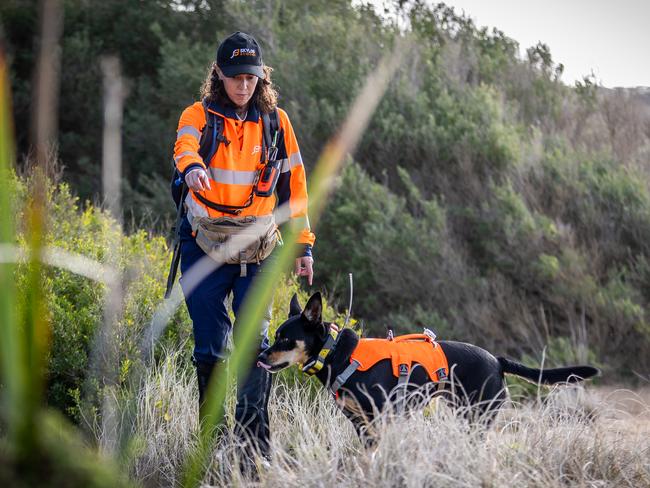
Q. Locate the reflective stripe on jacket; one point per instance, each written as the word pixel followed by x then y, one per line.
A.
pixel 234 166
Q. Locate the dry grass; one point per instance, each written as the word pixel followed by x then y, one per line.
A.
pixel 573 437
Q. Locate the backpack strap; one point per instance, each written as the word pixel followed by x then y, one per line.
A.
pixel 211 136
pixel 270 127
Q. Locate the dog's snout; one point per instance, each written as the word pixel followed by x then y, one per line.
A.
pixel 263 356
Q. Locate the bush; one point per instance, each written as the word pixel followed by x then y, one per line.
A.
pixel 76 303
pixel 399 249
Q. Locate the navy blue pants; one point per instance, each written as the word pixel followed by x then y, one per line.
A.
pixel 207 303
pixel 208 309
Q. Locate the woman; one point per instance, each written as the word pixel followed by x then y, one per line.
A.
pixel 239 92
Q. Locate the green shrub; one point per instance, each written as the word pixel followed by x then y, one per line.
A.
pixel 76 303
pixel 396 248
pixel 506 236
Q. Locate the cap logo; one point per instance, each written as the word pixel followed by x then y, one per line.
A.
pixel 245 51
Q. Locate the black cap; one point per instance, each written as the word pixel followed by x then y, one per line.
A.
pixel 240 53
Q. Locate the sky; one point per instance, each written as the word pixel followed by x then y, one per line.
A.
pixel 610 38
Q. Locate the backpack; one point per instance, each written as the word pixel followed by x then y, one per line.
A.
pixel 211 137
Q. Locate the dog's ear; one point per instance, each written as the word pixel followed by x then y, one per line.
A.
pixel 313 311
pixel 294 306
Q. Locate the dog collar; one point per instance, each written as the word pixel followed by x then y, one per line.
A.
pixel 317 363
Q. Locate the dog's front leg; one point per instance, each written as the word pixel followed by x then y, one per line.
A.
pixel 361 420
pixel 365 431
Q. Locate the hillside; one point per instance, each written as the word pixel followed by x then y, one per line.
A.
pixel 640 96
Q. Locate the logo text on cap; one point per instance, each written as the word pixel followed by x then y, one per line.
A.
pixel 245 51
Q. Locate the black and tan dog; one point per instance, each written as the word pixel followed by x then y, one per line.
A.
pixel 475 377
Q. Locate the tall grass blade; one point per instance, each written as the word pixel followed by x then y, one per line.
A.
pixel 247 329
pixel 34 324
pixel 61 258
pixel 11 354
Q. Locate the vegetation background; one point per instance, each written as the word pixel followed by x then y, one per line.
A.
pixel 487 200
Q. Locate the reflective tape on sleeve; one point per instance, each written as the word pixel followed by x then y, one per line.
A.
pixel 187 153
pixel 188 130
pixel 291 162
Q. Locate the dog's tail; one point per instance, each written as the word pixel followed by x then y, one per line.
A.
pixel 570 374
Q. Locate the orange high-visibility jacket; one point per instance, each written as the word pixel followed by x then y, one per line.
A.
pixel 407 349
pixel 233 168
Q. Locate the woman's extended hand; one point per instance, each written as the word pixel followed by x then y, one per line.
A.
pixel 305 267
pixel 197 179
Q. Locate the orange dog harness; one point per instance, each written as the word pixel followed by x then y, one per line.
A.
pixel 403 351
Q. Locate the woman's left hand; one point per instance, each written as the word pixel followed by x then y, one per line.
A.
pixel 305 267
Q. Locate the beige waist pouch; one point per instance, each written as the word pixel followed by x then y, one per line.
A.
pixel 237 240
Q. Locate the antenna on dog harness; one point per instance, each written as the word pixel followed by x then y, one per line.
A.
pixel 347 317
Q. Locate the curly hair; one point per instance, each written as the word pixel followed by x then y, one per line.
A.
pixel 265 95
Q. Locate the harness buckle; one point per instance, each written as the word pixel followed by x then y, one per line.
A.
pixel 402 386
pixel 441 374
pixel 307 367
pixel 403 369
pixel 242 264
pixel 430 334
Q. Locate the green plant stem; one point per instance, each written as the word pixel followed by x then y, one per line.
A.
pixel 13 375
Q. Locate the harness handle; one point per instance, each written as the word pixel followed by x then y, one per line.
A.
pixel 413 337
